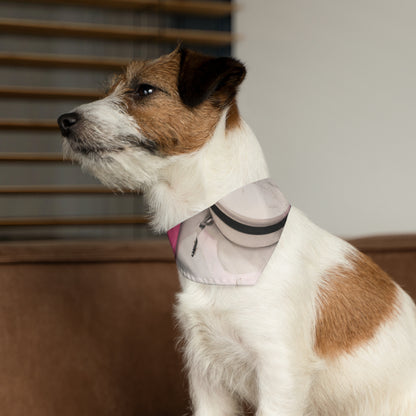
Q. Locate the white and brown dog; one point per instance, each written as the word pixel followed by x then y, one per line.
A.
pixel 323 331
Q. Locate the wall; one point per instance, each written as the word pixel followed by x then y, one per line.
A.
pixel 331 95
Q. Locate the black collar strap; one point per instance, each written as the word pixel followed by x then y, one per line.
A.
pixel 248 229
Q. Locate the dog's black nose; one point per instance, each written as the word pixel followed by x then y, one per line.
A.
pixel 66 121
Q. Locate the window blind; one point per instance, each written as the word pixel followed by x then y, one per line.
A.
pixel 55 55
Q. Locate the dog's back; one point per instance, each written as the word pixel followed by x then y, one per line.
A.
pixel 364 332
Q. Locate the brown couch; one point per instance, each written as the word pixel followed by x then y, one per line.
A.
pixel 86 328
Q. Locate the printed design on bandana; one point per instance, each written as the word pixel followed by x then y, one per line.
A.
pixel 231 242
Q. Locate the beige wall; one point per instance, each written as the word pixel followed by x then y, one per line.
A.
pixel 331 95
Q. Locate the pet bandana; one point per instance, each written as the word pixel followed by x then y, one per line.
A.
pixel 231 242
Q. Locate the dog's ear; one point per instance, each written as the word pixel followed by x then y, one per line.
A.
pixel 202 77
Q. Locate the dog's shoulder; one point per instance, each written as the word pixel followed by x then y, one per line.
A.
pixel 354 297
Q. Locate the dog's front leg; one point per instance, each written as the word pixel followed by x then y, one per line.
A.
pixel 209 399
pixel 282 382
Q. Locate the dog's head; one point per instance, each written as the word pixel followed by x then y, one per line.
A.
pixel 153 112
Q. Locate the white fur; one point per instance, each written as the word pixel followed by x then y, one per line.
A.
pixel 256 343
pixel 187 184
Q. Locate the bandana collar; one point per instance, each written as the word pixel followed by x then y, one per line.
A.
pixel 231 242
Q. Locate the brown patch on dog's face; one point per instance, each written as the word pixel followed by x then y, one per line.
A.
pixel 354 302
pixel 162 117
pixel 152 92
pixel 233 116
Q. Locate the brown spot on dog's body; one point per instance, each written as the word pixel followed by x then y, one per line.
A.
pixel 353 302
pixel 172 125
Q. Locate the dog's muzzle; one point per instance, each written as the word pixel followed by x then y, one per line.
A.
pixel 66 123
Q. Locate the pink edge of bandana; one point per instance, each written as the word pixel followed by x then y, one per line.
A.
pixel 173 235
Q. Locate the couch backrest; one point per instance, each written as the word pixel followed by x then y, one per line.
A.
pixel 87 329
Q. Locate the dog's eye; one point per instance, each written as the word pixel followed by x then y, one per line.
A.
pixel 144 90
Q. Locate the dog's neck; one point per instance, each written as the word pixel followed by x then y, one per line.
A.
pixel 191 183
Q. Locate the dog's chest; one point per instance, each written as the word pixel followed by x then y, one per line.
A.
pixel 215 342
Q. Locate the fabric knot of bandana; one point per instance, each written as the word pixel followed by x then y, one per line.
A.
pixel 231 242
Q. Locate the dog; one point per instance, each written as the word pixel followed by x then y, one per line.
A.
pixel 322 331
